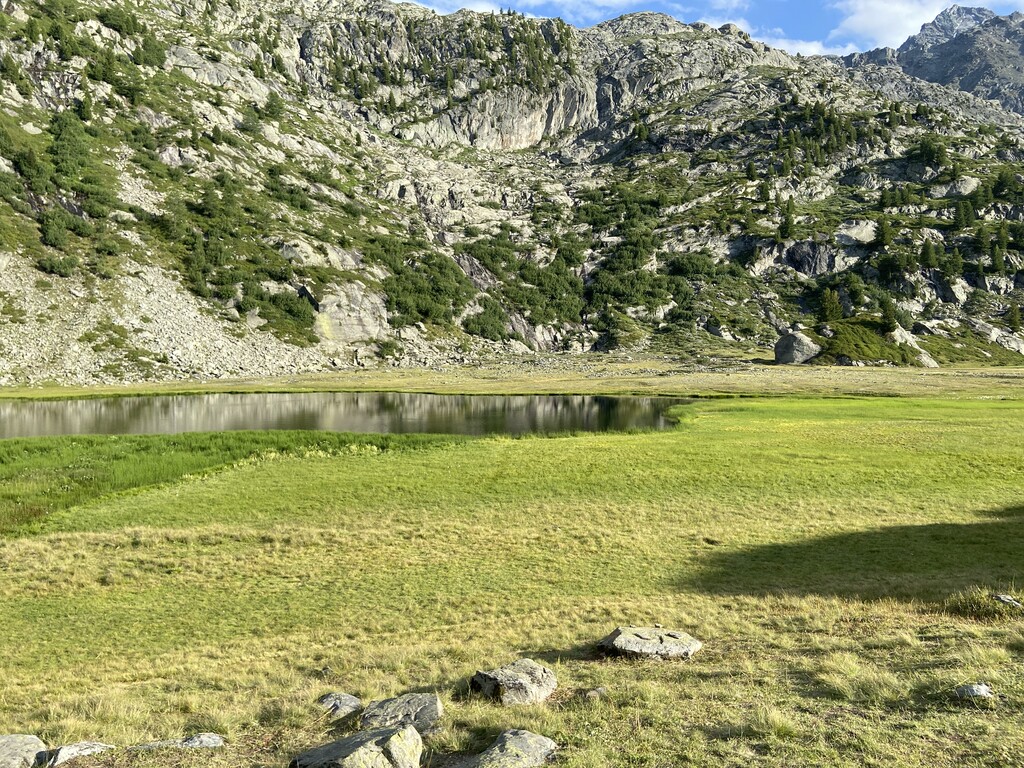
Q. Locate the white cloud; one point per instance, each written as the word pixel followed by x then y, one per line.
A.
pixel 719 21
pixel 807 47
pixel 873 23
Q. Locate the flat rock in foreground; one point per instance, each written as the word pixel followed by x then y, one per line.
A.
pixel 20 751
pixel 420 710
pixel 379 748
pixel 650 642
pixel 199 741
pixel 517 749
pixel 521 682
pixel 69 752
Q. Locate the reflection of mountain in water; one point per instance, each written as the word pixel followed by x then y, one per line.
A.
pixel 341 412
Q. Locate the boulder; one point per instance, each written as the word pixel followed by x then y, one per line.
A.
pixel 377 748
pixel 339 705
pixel 21 751
pixel 1009 600
pixel 521 682
pixel 199 741
pixel 795 348
pixel 650 642
pixel 975 692
pixel 420 710
pixel 62 755
pixel 517 749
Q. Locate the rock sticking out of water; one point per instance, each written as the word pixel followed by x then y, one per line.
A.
pixel 391 747
pixel 21 751
pixel 517 749
pixel 339 705
pixel 521 682
pixel 420 710
pixel 69 752
pixel 650 642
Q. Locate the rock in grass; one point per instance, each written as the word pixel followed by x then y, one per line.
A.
pixel 795 348
pixel 975 692
pixel 63 754
pixel 339 705
pixel 1009 600
pixel 379 748
pixel 420 710
pixel 199 741
pixel 595 695
pixel 521 682
pixel 517 749
pixel 21 751
pixel 650 642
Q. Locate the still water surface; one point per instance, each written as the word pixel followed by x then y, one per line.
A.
pixel 381 412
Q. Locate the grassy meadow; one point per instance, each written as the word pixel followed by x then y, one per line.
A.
pixel 822 548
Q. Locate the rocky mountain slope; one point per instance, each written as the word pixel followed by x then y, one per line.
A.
pixel 200 188
pixel 970 49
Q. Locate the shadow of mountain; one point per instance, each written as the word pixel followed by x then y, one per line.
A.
pixel 926 562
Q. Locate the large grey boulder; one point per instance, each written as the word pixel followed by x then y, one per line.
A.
pixel 21 751
pixel 517 749
pixel 378 748
pixel 650 642
pixel 63 754
pixel 199 741
pixel 339 705
pixel 795 348
pixel 521 682
pixel 420 710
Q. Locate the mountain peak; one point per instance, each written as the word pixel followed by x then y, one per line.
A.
pixel 952 22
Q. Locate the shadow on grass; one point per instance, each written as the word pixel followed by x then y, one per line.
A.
pixel 924 562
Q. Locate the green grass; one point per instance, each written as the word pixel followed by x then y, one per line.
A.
pixel 811 543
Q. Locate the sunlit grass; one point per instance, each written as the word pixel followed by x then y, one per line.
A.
pixel 812 544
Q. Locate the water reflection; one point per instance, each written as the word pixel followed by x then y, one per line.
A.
pixel 381 412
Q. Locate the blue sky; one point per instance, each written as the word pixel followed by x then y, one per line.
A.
pixel 832 26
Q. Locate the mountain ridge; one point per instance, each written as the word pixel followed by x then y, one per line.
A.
pixel 354 183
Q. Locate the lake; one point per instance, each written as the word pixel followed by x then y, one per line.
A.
pixel 379 412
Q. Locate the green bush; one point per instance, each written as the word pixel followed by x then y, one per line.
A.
pixel 62 266
pixel 490 323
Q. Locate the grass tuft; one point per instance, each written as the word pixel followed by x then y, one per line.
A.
pixel 980 603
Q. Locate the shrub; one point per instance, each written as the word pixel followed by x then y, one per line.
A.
pixel 488 324
pixel 62 266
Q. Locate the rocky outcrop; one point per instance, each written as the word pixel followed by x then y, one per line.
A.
pixel 339 705
pixel 650 643
pixel 795 348
pixel 903 337
pixel 199 741
pixel 70 752
pixel 21 751
pixel 421 710
pixel 521 682
pixel 378 748
pixel 517 749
